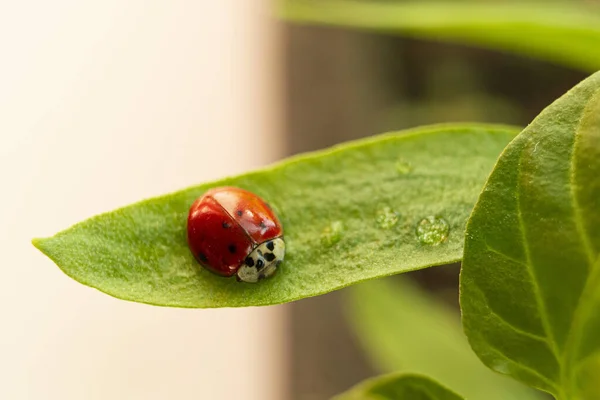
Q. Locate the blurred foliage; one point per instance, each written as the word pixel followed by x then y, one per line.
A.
pixel 404 329
pixel 566 33
pixel 453 91
pixel 399 387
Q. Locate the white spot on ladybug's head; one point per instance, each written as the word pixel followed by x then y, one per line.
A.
pixel 262 263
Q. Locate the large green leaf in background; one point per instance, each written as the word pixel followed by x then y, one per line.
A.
pixel 399 387
pixel 567 33
pixel 371 208
pixel 530 284
pixel 405 329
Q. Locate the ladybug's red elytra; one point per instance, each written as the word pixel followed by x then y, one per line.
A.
pixel 232 231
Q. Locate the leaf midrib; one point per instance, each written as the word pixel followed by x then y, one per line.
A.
pixel 565 358
pixel 575 329
pixel 581 312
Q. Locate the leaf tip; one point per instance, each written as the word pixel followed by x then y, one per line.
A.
pixel 38 243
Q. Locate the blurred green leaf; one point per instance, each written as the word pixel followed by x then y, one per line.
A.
pixel 565 33
pixel 399 387
pixel 404 329
pixel 530 284
pixel 349 214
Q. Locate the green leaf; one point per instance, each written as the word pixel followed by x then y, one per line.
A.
pixel 404 329
pixel 563 33
pixel 530 284
pixel 349 214
pixel 399 387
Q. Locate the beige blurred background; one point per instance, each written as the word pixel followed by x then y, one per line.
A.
pixel 102 104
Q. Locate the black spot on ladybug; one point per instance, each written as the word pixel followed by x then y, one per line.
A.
pixel 202 257
pixel 269 256
pixel 271 246
pixel 226 225
pixel 260 253
pixel 239 213
pixel 262 225
pixel 260 264
pixel 232 249
pixel 249 261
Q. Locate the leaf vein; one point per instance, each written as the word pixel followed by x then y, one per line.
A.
pixel 574 331
pixel 530 370
pixel 528 264
pixel 500 253
pixel 581 362
pixel 576 206
pixel 583 309
pixel 513 327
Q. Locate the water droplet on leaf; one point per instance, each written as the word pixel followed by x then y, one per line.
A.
pixel 387 218
pixel 332 233
pixel 432 230
pixel 403 167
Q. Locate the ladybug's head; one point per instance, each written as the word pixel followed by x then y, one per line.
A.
pixel 263 261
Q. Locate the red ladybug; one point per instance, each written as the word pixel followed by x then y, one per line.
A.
pixel 234 232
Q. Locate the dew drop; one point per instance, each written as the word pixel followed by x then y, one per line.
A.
pixel 332 233
pixel 387 218
pixel 403 167
pixel 432 230
pixel 500 366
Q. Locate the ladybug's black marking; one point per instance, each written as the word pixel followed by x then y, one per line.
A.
pixel 239 213
pixel 262 225
pixel 226 225
pixel 269 256
pixel 259 252
pixel 249 261
pixel 260 264
pixel 232 249
pixel 202 257
pixel 271 246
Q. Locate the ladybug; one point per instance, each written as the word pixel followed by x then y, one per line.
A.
pixel 232 231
